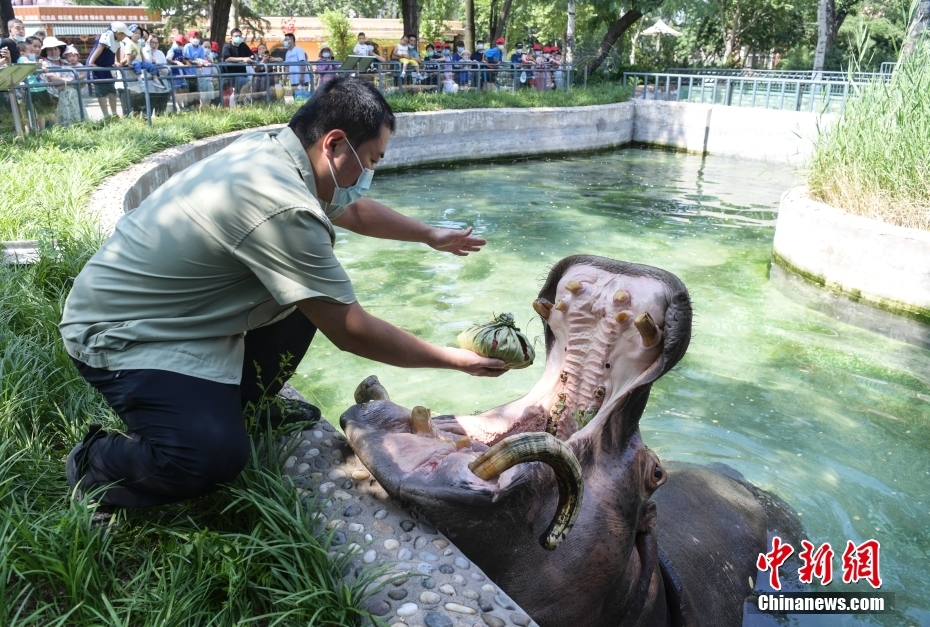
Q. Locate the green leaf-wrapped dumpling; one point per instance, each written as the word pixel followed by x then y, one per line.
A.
pixel 499 339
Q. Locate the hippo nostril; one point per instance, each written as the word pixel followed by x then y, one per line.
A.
pixel 657 473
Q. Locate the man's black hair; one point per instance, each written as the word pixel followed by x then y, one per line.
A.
pixel 361 35
pixel 291 35
pixel 31 39
pixel 347 103
pixel 234 31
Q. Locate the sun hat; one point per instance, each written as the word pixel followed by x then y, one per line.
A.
pixel 53 42
pixel 120 27
pixel 71 50
pixel 500 40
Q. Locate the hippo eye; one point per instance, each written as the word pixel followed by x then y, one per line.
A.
pixel 657 473
pixel 607 366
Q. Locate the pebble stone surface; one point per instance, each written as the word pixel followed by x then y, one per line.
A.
pixel 443 589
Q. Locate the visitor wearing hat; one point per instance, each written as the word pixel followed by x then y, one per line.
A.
pixel 104 55
pixel 492 59
pixel 56 56
pixel 196 57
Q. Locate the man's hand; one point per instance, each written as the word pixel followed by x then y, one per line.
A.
pixel 456 241
pixel 474 364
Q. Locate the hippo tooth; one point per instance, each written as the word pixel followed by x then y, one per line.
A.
pixel 622 317
pixel 620 296
pixel 542 307
pixel 463 443
pixel 421 419
pixel 574 287
pixel 648 329
pixel 561 306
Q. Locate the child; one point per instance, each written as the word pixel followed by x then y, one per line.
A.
pixel 401 53
pixel 69 102
pixel 326 67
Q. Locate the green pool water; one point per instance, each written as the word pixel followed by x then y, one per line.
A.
pixel 832 417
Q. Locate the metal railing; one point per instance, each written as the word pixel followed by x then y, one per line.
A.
pixel 175 88
pixel 769 92
pixel 803 75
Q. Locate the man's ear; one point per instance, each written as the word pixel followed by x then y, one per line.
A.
pixel 331 140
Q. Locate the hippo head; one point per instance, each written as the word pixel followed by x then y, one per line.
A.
pixel 510 484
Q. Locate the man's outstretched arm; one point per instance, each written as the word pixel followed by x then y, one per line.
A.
pixel 354 330
pixel 371 218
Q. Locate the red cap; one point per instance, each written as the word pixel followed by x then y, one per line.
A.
pixel 500 40
pixel 537 47
pixel 214 46
pixel 447 47
pixel 255 50
pixel 193 33
pixel 437 44
pixel 181 40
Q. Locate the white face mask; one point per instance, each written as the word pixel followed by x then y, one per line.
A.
pixel 54 58
pixel 195 42
pixel 326 55
pixel 287 43
pixel 18 38
pixel 500 47
pixel 480 47
pixel 31 56
pixel 347 195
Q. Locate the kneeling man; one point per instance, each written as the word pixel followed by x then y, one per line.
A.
pixel 224 273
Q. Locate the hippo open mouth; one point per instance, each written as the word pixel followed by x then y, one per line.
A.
pixel 607 338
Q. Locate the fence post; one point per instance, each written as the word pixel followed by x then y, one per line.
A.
pixel 797 96
pixel 148 101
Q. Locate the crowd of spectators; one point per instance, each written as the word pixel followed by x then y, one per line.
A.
pixel 127 60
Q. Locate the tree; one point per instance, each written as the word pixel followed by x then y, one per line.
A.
pixel 410 14
pixel 7 14
pixel 337 29
pixel 920 22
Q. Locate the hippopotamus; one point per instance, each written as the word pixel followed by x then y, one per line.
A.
pixel 556 495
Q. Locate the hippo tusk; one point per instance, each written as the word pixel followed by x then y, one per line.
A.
pixel 370 390
pixel 561 306
pixel 545 448
pixel 574 287
pixel 648 329
pixel 542 307
pixel 622 317
pixel 421 419
pixel 620 296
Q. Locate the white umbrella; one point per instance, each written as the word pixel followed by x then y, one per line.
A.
pixel 661 28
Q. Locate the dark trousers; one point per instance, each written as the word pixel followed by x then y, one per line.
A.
pixel 185 436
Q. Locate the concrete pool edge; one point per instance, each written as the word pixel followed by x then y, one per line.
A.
pixel 870 261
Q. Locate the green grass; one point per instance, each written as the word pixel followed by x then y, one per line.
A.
pixel 247 554
pixel 520 99
pixel 875 161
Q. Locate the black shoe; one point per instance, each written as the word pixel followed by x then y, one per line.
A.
pixel 287 411
pixel 77 462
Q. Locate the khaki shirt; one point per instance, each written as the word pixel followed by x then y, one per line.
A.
pixel 227 245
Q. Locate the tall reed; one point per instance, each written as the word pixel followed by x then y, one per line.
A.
pixel 875 161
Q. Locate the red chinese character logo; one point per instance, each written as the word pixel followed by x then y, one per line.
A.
pixel 861 562
pixel 817 563
pixel 775 558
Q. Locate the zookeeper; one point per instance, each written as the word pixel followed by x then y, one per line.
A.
pixel 227 265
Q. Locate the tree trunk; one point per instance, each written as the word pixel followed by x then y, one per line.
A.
pixel 570 34
pixel 6 14
pixel 219 21
pixel 492 20
pixel 614 33
pixel 410 13
pixel 826 33
pixel 919 23
pixel 502 20
pixel 470 25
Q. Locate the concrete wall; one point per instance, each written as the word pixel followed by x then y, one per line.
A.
pixel 758 134
pixel 465 135
pixel 879 263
